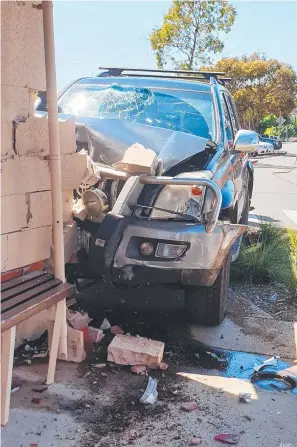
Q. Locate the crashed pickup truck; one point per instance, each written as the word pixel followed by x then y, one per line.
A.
pixel 175 182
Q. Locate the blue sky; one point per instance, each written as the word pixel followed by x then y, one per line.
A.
pixel 115 33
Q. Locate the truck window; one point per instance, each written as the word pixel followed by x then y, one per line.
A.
pixel 228 124
pixel 233 114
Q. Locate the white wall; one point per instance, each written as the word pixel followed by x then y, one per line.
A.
pixel 26 219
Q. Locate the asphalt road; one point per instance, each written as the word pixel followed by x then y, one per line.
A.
pixel 275 188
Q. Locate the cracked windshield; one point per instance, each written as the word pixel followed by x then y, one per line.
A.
pixel 180 110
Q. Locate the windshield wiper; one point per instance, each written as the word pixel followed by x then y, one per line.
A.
pixel 185 216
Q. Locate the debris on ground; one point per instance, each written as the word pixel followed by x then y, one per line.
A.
pixel 274 297
pixel 129 350
pixel 105 326
pixel 28 348
pixel 15 389
pixel 88 342
pixel 214 356
pixel 139 369
pixel 163 366
pixel 96 334
pixel 41 389
pixel 245 397
pixel 150 395
pixel 227 438
pixel 99 365
pixel 78 320
pixel 28 361
pixel 75 344
pixel 189 406
pixel 194 441
pixel 116 330
pixel 36 400
pixel 40 355
pixel 272 361
pixel 103 374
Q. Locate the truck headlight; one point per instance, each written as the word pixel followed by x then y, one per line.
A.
pixel 181 199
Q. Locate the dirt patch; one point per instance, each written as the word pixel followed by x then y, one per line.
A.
pixel 267 296
pixel 115 410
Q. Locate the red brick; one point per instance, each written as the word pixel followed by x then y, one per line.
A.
pixel 116 330
pixel 189 406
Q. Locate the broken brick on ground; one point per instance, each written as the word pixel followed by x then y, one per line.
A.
pixel 189 406
pixel 129 350
pixel 139 369
pixel 116 330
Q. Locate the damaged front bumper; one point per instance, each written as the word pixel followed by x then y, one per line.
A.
pixel 115 252
pixel 200 264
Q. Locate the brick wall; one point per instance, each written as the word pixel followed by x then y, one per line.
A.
pixel 26 217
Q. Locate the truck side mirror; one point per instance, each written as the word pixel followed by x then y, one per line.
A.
pixel 246 141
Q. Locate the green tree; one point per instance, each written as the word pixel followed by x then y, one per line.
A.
pixel 268 121
pixel 260 87
pixel 192 32
pixel 285 130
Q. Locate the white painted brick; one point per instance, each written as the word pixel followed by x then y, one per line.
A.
pixel 28 246
pixel 32 136
pixel 70 240
pixel 67 136
pixel 40 209
pixel 22 45
pixel 73 170
pixel 67 197
pixel 4 248
pixel 14 103
pixel 7 140
pixel 14 213
pixel 24 174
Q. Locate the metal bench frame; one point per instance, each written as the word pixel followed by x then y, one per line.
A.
pixel 22 298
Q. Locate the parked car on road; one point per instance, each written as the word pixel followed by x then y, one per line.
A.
pixel 277 144
pixel 176 226
pixel 263 148
pixel 277 139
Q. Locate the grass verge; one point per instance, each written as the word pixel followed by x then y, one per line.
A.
pixel 269 253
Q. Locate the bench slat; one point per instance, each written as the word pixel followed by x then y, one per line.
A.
pixel 27 287
pixel 27 296
pixel 20 280
pixel 26 310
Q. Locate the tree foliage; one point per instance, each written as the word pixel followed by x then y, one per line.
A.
pixel 284 131
pixel 260 87
pixel 268 121
pixel 191 32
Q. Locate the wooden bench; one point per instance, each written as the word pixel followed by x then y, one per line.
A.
pixel 22 298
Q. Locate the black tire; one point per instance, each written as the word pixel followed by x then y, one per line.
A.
pixel 244 220
pixel 208 305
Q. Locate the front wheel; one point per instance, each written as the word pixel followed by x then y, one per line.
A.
pixel 208 305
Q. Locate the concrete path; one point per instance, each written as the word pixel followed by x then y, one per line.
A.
pixel 90 410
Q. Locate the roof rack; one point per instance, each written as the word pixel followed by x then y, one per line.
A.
pixel 137 72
